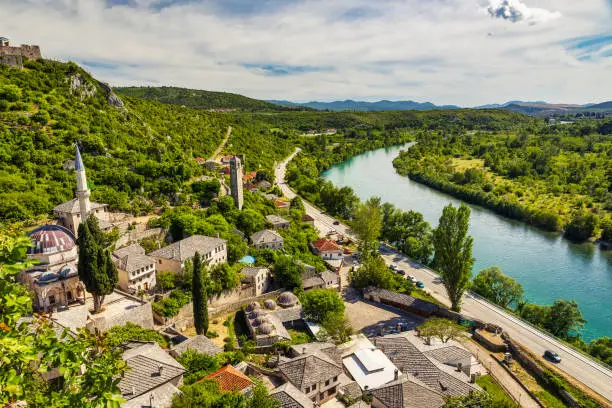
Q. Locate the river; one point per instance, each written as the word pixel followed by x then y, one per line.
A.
pixel 548 266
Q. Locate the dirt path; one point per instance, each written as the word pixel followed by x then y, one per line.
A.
pixel 222 145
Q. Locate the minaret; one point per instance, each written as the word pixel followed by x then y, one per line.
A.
pixel 82 190
pixel 236 181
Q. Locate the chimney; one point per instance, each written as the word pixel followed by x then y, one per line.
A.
pixel 151 400
pixel 160 369
pixel 459 366
pixel 396 374
pixel 133 390
pixel 217 235
pixel 304 350
pixel 473 378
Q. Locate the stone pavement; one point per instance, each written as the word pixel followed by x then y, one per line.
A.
pixel 510 384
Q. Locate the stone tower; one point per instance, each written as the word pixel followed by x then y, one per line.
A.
pixel 236 181
pixel 82 190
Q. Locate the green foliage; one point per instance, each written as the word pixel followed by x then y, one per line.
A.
pixel 118 335
pixel 230 341
pixel 375 272
pixel 170 306
pixel 547 176
pixel 318 304
pixel 409 232
pixel 581 227
pixel 206 394
pixel 337 327
pixel 250 221
pixel 477 400
pixel 198 365
pixel 443 329
pixel 453 252
pixel 200 296
pixel 563 318
pixel 166 280
pixel 492 284
pixel 367 225
pixel 602 349
pixel 96 269
pixel 287 272
pixel 30 347
pixel 497 393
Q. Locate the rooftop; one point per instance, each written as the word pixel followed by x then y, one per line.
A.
pixel 402 299
pixel 186 248
pixel 408 392
pixel 132 258
pixel 73 207
pixel 50 238
pixel 291 397
pixel 229 379
pixel 265 236
pixel 199 343
pixel 309 369
pixel 251 272
pixel 276 220
pixel 370 368
pixel 326 245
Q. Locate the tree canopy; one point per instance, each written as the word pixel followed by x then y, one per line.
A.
pixel 492 284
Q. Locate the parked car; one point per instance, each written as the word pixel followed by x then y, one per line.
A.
pixel 336 222
pixel 412 278
pixel 401 271
pixel 420 284
pixel 393 267
pixel 552 356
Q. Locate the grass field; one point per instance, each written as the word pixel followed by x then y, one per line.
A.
pixel 494 389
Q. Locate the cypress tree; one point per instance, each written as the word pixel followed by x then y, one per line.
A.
pixel 200 299
pixel 96 269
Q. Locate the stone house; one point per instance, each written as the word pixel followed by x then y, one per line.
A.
pixel 136 270
pixel 315 373
pixel 323 280
pixel 267 239
pixel 172 257
pixel 260 278
pixel 307 219
pixel 328 249
pixel 199 343
pixel 153 377
pixel 278 222
pixel 291 397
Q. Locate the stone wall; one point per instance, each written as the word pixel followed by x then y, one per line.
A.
pixel 232 307
pixel 136 235
pixel 141 315
pixel 14 56
pixel 490 345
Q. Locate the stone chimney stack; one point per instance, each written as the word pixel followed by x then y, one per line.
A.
pixel 396 374
pixel 160 369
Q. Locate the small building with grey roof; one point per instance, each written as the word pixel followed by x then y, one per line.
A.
pixel 136 270
pixel 259 278
pixel 199 343
pixel 278 222
pixel 153 377
pixel 290 397
pixel 172 257
pixel 267 239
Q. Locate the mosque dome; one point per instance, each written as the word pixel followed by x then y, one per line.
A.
pixel 253 306
pixel 67 271
pixel 287 299
pixel 255 313
pixel 270 304
pixel 261 320
pixel 50 239
pixel 266 328
pixel 48 277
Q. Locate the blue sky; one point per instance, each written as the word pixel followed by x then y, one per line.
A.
pixel 465 52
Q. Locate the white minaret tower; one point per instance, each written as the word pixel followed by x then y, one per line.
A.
pixel 82 190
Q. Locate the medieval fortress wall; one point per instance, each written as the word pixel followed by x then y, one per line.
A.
pixel 14 56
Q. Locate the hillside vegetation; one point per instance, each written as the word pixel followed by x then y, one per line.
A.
pixel 198 99
pixel 555 177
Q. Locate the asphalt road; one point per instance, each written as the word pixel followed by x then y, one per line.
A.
pixel 590 373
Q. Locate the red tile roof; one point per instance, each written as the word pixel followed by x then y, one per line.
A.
pixel 325 245
pixel 199 160
pixel 249 176
pixel 281 204
pixel 229 379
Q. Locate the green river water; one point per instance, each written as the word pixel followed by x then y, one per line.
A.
pixel 548 266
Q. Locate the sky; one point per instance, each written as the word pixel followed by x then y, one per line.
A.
pixel 463 52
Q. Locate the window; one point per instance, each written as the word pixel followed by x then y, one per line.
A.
pixel 326 383
pixel 307 390
pixel 335 379
pixel 52 299
pixel 314 387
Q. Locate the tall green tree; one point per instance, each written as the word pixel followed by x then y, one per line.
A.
pixel 564 319
pixel 96 269
pixel 367 224
pixel 200 298
pixel 443 329
pixel 453 252
pixel 492 284
pixel 317 304
pixel 287 272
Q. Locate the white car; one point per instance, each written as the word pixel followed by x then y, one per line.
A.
pixel 412 278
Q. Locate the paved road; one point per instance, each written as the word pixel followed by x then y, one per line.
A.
pixel 593 375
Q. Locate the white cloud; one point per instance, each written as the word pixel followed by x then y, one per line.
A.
pixel 444 51
pixel 516 10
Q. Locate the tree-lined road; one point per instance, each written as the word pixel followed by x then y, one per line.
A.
pixel 592 374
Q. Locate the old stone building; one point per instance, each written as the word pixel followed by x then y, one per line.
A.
pixel 15 56
pixel 236 181
pixel 54 280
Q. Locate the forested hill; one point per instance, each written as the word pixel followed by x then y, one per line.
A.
pixel 199 99
pixel 137 157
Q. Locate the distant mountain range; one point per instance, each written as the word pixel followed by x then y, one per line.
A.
pixel 537 108
pixel 350 105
